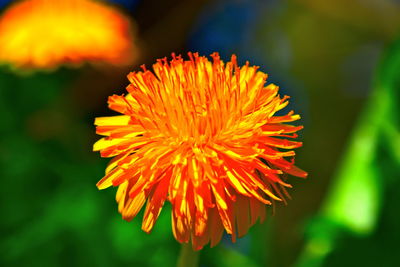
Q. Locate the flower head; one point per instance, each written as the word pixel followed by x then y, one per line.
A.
pixel 46 33
pixel 203 136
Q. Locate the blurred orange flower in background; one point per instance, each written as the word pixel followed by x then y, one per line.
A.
pixel 46 33
pixel 203 136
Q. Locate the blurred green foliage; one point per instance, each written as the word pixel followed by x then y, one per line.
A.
pixel 53 212
pixel 361 195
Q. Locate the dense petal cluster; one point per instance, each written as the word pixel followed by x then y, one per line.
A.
pixel 46 33
pixel 202 135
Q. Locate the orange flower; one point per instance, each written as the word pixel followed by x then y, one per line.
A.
pixel 46 33
pixel 203 136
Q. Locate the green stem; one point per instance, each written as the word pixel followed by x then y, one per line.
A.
pixel 188 257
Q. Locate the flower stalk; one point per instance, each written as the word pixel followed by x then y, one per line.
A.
pixel 188 257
